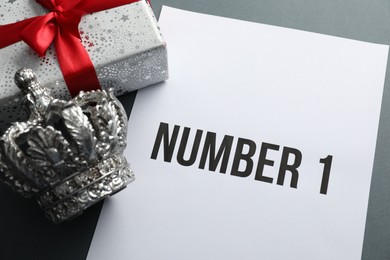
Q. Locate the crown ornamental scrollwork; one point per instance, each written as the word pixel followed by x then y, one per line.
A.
pixel 68 154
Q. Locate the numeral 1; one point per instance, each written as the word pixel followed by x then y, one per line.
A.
pixel 326 173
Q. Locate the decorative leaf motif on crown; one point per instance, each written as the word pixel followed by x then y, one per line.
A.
pixel 108 120
pixel 50 152
pixel 81 131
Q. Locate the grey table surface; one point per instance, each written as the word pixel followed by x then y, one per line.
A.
pixel 25 233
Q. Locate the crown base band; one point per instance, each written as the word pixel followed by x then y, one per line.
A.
pixel 66 203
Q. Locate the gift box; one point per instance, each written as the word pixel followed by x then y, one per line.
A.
pixel 124 44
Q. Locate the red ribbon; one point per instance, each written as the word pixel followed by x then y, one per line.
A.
pixel 61 27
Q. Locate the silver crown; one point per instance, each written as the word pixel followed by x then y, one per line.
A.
pixel 68 154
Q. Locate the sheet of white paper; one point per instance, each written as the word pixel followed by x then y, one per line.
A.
pixel 260 84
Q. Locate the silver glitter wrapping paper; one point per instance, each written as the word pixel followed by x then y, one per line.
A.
pixel 124 43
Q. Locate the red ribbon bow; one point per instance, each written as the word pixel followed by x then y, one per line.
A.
pixel 61 27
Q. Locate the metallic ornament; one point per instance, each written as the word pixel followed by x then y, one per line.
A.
pixel 68 154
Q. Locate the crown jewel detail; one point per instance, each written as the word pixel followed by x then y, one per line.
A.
pixel 68 154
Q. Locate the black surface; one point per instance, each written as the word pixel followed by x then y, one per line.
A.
pixel 26 234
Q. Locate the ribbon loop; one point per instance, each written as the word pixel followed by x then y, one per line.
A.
pixel 40 33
